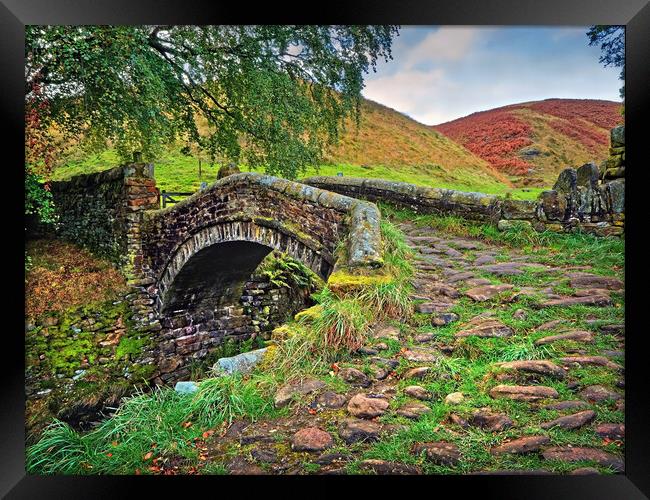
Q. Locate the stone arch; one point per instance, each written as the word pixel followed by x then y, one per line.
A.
pixel 210 267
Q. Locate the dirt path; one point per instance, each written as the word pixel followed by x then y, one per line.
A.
pixel 507 365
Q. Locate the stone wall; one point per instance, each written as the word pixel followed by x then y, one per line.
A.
pixel 586 198
pixel 82 360
pixel 189 266
pixel 190 336
pixel 102 211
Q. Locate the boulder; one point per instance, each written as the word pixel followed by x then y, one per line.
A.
pixel 525 444
pixel 311 439
pixel 523 393
pixel 570 422
pixel 285 394
pixel 617 136
pixel 355 430
pixel 439 452
pixel 366 407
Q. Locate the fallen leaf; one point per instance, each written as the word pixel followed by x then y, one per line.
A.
pixel 186 425
pixel 147 456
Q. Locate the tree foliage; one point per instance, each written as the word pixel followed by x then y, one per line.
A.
pixel 273 96
pixel 612 45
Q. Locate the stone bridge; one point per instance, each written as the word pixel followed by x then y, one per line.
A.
pixel 188 264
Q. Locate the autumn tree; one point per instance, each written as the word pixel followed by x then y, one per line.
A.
pixel 273 96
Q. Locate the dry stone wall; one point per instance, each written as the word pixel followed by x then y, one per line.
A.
pixel 588 198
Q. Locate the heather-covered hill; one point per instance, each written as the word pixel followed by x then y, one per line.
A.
pixel 533 141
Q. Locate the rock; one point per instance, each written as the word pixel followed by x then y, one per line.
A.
pixel 477 281
pixel 455 398
pixel 578 454
pixel 446 290
pixel 589 360
pixel 241 363
pixel 364 407
pixel 485 328
pixel 355 430
pixel 587 176
pixel 586 280
pixel 382 467
pixel 617 136
pixel 413 410
pixel 584 471
pixel 522 445
pixel 330 458
pixel 520 314
pixel 367 351
pixel 186 387
pixel 354 377
pixel 549 325
pixel 381 346
pixel 597 393
pixel 264 455
pixel 443 319
pixel 419 356
pixel 286 393
pixel 486 292
pixel 432 307
pixel 570 422
pixel 614 329
pixel 459 276
pixel 567 181
pixel 424 337
pixel 566 405
pixel 417 392
pixel 523 393
pixel 576 335
pixel 611 431
pixel 419 372
pixel 503 268
pixel 593 300
pixel 541 367
pixel 439 452
pixel 311 439
pixel 458 420
pixel 492 422
pixel 388 363
pixel 330 399
pixel 387 332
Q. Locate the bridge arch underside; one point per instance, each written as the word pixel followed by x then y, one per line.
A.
pixel 207 296
pixel 209 269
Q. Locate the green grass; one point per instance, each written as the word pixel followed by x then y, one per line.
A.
pixel 178 173
pixel 162 421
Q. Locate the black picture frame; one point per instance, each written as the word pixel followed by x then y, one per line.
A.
pixel 634 14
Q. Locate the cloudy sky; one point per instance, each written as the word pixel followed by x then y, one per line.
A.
pixel 441 73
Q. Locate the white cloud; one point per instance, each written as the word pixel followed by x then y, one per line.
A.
pixel 447 43
pixel 455 71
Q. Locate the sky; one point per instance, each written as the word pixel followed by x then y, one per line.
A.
pixel 440 73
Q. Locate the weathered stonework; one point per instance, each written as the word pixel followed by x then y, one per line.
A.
pixel 190 266
pixel 579 199
pixel 102 211
pixel 420 199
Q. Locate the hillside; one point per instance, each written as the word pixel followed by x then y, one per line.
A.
pixel 386 145
pixel 387 138
pixel 534 141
